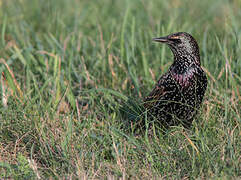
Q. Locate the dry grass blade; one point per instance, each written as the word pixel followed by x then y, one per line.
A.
pixel 13 77
pixel 110 60
pixel 209 74
pixel 4 92
pixel 190 141
pixel 87 72
pixel 118 158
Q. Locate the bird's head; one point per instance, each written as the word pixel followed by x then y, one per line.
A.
pixel 182 44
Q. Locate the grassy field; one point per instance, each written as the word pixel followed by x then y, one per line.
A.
pixel 68 66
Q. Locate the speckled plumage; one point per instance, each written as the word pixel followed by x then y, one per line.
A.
pixel 179 93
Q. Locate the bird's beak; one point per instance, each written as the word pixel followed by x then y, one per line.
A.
pixel 161 39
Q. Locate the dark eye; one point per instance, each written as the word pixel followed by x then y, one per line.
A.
pixel 176 41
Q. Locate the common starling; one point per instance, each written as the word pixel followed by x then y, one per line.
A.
pixel 178 94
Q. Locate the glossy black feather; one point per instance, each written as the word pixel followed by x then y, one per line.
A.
pixel 179 93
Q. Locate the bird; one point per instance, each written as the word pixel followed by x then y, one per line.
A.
pixel 178 94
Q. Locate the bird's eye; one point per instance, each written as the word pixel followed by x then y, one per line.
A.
pixel 174 40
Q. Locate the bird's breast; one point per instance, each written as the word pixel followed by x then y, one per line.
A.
pixel 184 79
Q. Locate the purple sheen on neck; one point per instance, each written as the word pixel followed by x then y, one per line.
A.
pixel 184 79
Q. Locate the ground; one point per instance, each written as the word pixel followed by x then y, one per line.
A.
pixel 68 67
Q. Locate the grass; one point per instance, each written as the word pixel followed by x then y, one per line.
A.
pixel 68 66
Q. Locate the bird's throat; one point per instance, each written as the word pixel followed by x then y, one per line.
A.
pixel 184 79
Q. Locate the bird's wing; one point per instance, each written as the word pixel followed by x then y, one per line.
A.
pixel 153 97
pixel 156 94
